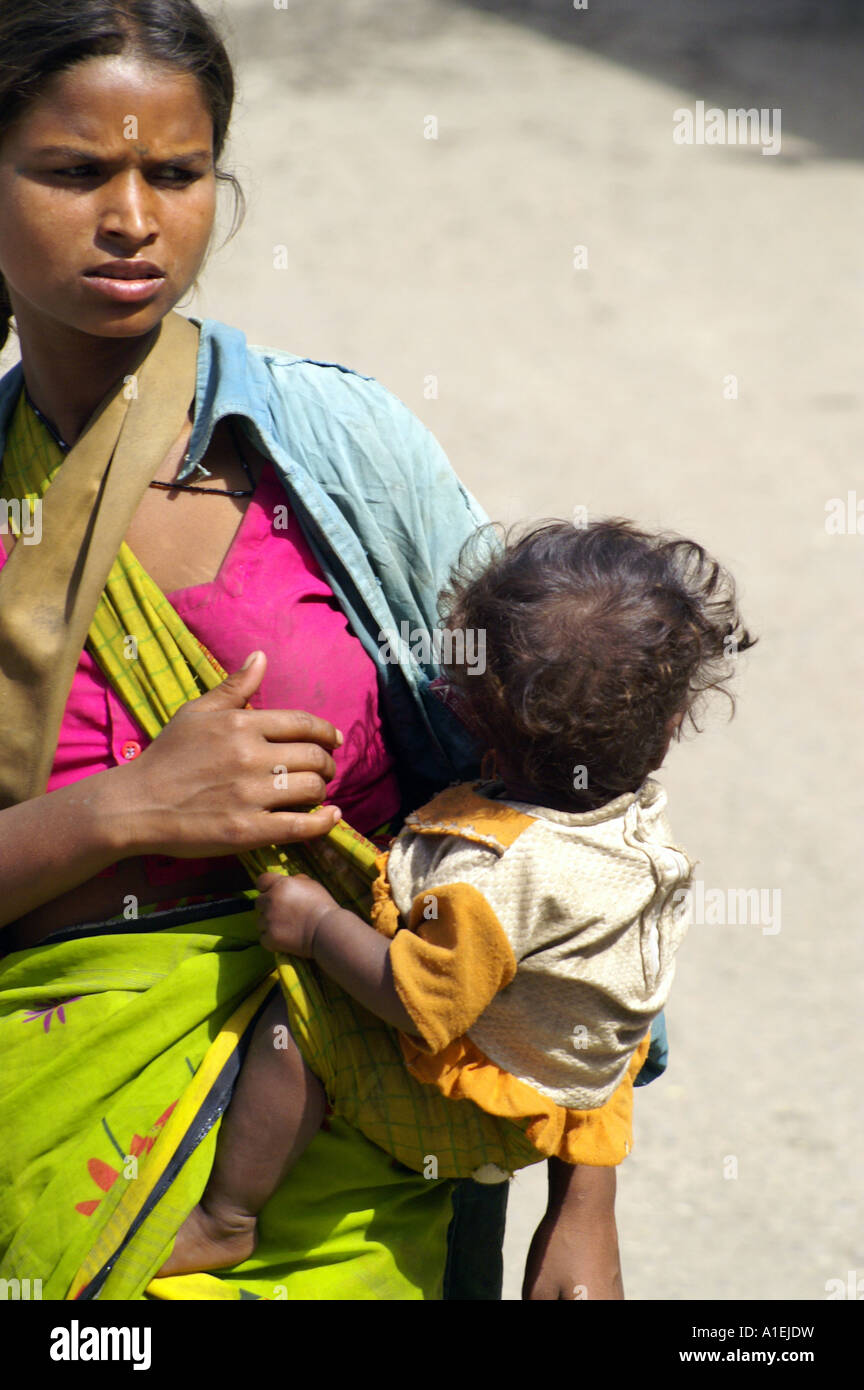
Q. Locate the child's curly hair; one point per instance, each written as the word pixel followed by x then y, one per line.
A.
pixel 596 637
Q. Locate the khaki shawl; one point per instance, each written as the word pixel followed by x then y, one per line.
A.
pixel 49 591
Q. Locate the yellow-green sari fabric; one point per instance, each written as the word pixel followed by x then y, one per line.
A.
pixel 120 1043
pixel 102 1038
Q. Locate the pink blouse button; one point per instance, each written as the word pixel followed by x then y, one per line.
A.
pixel 130 749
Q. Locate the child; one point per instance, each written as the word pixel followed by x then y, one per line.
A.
pixel 525 924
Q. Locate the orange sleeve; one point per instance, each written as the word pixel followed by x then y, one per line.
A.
pixel 450 962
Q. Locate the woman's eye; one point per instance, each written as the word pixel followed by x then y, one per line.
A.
pixel 177 174
pixel 169 173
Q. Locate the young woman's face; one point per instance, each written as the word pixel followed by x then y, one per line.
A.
pixel 112 163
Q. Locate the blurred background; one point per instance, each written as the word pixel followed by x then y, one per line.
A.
pixel 482 205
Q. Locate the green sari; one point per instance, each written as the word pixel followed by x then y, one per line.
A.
pixel 119 1051
pixel 121 1041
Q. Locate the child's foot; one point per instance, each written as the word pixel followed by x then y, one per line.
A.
pixel 214 1239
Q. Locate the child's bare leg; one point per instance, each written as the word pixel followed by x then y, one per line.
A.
pixel 276 1109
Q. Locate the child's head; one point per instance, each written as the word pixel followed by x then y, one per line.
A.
pixel 598 642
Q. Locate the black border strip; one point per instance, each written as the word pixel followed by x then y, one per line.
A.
pixel 154 921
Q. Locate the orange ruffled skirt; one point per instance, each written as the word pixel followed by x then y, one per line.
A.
pixel 600 1137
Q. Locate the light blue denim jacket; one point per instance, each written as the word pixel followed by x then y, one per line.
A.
pixel 383 512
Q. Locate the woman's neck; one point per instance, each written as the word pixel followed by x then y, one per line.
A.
pixel 68 372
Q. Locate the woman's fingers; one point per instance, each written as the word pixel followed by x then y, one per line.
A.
pixel 219 780
pixel 291 761
pixel 291 726
pixel 292 746
pixel 285 827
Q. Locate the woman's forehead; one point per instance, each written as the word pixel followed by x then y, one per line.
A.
pixel 106 97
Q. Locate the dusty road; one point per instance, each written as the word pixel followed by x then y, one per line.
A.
pixel 700 370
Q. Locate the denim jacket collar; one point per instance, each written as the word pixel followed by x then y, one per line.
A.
pixel 230 381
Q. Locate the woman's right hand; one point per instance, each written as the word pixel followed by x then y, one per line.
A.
pixel 221 778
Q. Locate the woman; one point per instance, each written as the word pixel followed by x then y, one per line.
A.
pixel 279 504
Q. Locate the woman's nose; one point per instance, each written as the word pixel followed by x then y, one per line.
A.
pixel 128 208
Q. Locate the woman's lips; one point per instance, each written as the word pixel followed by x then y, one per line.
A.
pixel 123 290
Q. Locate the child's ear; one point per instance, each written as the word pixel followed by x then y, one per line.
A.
pixel 489 769
pixel 672 730
pixel 674 725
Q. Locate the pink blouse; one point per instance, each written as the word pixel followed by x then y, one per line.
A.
pixel 270 594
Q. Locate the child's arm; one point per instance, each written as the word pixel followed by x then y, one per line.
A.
pixel 301 918
pixel 574 1253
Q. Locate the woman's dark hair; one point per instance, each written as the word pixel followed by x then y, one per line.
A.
pixel 39 38
pixel 595 638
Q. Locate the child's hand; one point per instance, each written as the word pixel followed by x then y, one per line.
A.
pixel 290 910
pixel 571 1263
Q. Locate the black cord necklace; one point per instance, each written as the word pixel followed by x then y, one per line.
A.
pixel 167 487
